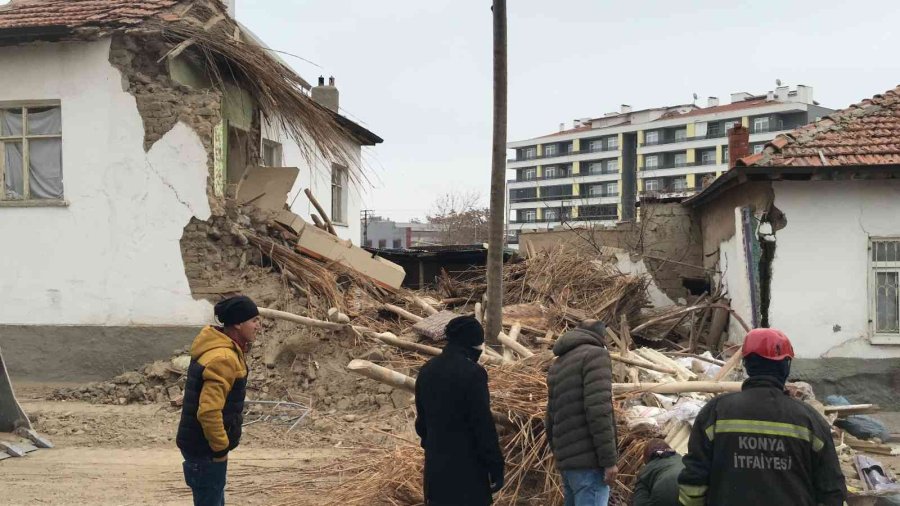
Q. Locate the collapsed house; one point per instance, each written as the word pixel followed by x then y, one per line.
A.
pixel 125 125
pixel 806 239
pixel 802 236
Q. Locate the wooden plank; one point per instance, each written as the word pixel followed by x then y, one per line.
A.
pixel 328 225
pixel 853 409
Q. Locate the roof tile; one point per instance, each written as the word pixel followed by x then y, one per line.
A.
pixel 23 14
pixel 867 133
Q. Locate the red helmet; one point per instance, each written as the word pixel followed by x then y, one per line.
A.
pixel 768 343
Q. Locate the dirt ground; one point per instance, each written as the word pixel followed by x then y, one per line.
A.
pixel 126 455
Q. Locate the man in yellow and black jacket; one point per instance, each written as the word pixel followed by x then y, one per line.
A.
pixel 760 446
pixel 214 393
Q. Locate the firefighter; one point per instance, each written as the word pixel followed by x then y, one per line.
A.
pixel 760 446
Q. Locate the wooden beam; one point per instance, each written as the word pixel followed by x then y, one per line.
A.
pixel 642 364
pixel 402 313
pixel 302 320
pixel 678 387
pixel 522 351
pixel 328 225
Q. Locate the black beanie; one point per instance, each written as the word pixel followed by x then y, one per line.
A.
pixel 235 310
pixel 464 331
pixel 760 366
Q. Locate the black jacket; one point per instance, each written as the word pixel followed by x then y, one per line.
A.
pixel 760 446
pixel 580 423
pixel 657 482
pixel 462 451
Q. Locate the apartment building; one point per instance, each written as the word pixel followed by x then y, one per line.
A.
pixel 595 172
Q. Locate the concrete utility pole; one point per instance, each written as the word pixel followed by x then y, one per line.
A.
pixel 494 310
pixel 365 237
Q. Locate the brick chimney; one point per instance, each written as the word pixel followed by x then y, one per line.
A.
pixel 738 144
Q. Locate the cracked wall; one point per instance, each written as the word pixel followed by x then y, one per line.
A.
pixel 820 276
pixel 112 256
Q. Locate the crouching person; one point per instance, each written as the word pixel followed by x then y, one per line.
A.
pixel 212 415
pixel 657 482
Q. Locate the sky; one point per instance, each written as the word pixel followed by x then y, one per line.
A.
pixel 419 72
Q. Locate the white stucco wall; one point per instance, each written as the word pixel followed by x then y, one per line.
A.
pixel 820 271
pixel 315 174
pixel 112 257
pixel 733 267
pixel 637 267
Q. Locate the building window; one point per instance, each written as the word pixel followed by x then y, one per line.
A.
pixel 612 166
pixel 271 153
pixel 613 144
pixel 596 146
pixel 611 189
pixel 651 137
pixel 680 159
pixel 31 153
pixel 707 157
pixel 382 243
pixel 570 148
pixel 651 162
pixel 885 297
pixel 595 168
pixel 529 216
pixel 397 243
pixel 551 150
pixel 530 153
pixel 725 154
pixel 761 125
pixel 758 148
pixel 680 135
pixel 529 174
pixel 551 172
pixel 595 190
pixel 339 180
pixel 651 185
pixel 551 214
pixel 679 184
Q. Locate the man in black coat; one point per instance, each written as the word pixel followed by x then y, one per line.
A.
pixel 463 462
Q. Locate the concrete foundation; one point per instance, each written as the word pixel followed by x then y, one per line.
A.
pixel 859 380
pixel 86 353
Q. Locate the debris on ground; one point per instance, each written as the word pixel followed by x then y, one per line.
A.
pixel 337 346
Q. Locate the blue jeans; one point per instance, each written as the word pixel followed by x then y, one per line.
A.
pixel 585 487
pixel 206 479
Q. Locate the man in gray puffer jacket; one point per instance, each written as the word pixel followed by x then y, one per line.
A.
pixel 580 423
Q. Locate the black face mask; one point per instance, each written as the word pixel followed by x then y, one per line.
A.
pixel 759 366
pixel 469 352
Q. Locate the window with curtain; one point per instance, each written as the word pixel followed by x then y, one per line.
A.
pixel 31 153
pixel 884 299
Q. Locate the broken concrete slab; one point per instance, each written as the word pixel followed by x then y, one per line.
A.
pixel 320 244
pixel 433 327
pixel 267 188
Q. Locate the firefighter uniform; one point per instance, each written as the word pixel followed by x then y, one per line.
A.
pixel 760 447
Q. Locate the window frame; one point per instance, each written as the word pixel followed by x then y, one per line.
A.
pixel 343 186
pixel 655 159
pixel 656 183
pixel 704 153
pixel 278 150
pixel 875 267
pixel 551 214
pixel 613 143
pixel 554 169
pixel 551 150
pixel 27 200
pixel 595 146
pixel 681 135
pixel 609 163
pixel 529 174
pixel 529 215
pixel 529 153
pixel 655 134
pixel 761 119
pixel 682 163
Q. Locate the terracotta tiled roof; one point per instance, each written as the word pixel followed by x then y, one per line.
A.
pixel 24 14
pixel 867 133
pixel 564 132
pixel 737 106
